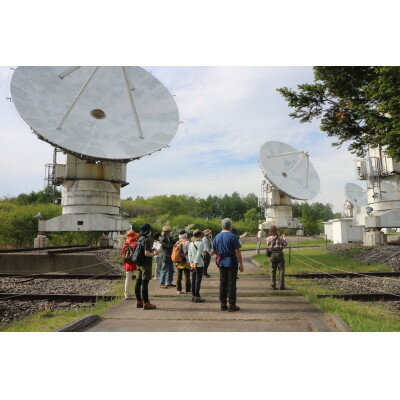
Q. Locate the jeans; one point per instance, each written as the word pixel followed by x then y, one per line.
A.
pixel 182 271
pixel 197 276
pixel 141 289
pixel 207 259
pixel 167 269
pixel 278 261
pixel 227 284
pixel 158 266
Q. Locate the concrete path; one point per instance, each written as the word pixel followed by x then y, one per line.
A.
pixel 262 309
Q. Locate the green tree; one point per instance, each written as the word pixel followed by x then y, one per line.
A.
pixel 360 105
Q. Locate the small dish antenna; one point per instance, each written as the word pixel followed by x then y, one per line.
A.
pixel 102 113
pixel 289 170
pixel 356 195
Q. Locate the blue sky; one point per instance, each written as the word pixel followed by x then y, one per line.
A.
pixel 227 114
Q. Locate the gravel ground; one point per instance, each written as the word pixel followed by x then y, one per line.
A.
pixel 12 309
pixel 370 255
pixel 366 285
pixel 370 284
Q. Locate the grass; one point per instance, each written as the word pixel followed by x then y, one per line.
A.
pixel 361 317
pixel 303 243
pixel 48 320
pixel 321 260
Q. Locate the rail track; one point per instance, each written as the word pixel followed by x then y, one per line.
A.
pixel 62 276
pixel 343 275
pixel 363 296
pixel 75 298
pixel 58 249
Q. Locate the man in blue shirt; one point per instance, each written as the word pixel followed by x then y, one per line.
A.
pixel 226 246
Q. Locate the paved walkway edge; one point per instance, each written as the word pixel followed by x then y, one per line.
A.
pixel 340 324
pixel 80 323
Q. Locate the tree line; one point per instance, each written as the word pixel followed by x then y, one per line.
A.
pixel 18 227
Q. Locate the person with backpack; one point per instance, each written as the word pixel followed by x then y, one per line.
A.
pixel 167 269
pixel 130 268
pixel 142 255
pixel 226 247
pixel 196 260
pixel 157 258
pixel 180 258
pixel 275 246
pixel 207 240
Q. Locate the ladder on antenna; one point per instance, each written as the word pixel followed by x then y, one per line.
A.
pixel 50 176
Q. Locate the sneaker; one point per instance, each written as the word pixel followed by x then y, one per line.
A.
pixel 156 277
pixel 283 287
pixel 224 306
pixel 179 292
pixel 207 275
pixel 233 307
pixel 163 286
pixel 171 285
pixel 273 286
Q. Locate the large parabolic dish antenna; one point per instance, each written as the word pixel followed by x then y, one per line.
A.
pixel 109 113
pixel 289 170
pixel 356 195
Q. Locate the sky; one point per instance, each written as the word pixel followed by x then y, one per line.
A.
pixel 227 114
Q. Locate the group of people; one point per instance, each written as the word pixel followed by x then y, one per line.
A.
pixel 191 258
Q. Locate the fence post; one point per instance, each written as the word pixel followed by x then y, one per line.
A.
pixel 326 239
pixel 290 252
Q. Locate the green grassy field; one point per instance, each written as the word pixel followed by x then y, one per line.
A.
pixel 48 321
pixel 304 243
pixel 361 317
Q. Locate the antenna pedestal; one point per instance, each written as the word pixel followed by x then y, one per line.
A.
pixel 90 197
pixel 277 208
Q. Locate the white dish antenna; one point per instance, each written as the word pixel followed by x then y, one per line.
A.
pixel 356 195
pixel 111 113
pixel 289 170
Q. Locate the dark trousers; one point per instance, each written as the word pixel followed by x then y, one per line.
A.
pixel 207 259
pixel 197 276
pixel 182 271
pixel 141 288
pixel 278 262
pixel 227 284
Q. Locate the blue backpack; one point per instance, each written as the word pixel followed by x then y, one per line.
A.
pixel 138 256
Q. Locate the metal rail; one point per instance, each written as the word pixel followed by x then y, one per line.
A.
pixel 78 249
pixel 62 276
pixel 343 275
pixel 73 298
pixel 79 246
pixel 363 296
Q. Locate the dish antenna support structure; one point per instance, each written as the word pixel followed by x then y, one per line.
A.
pixel 289 175
pixel 382 174
pixel 350 227
pixel 102 118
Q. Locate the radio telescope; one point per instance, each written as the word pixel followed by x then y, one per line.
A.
pixel 102 118
pixel 355 194
pixel 289 175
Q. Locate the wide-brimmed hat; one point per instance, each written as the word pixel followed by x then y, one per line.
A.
pixel 132 235
pixel 166 228
pixel 207 231
pixel 145 229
